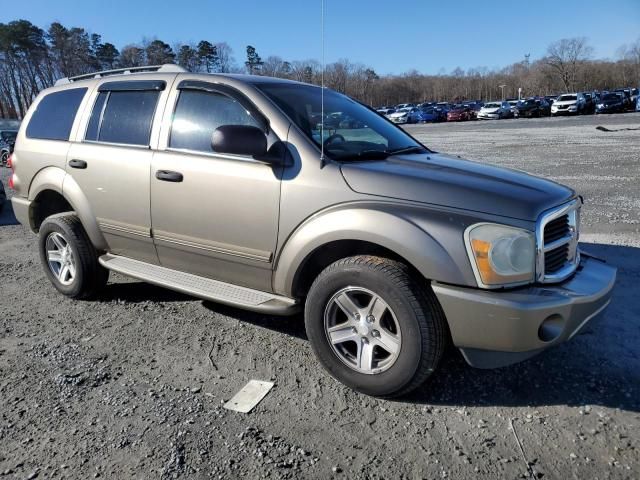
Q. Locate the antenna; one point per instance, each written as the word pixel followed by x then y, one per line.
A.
pixel 322 86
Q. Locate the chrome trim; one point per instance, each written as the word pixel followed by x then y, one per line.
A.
pixel 572 209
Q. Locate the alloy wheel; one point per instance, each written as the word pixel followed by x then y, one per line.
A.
pixel 362 330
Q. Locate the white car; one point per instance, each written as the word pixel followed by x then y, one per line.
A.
pixel 404 105
pixel 568 104
pixel 495 111
pixel 405 115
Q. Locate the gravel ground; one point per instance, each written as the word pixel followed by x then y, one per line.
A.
pixel 132 384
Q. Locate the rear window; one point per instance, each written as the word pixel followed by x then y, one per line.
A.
pixel 55 114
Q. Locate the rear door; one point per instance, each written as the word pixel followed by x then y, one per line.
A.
pixel 111 162
pixel 213 214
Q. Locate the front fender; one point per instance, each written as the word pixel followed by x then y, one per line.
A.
pixel 57 180
pixel 428 246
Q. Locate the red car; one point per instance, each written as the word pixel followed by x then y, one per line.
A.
pixel 460 114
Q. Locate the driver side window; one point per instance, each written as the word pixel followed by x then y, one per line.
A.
pixel 199 113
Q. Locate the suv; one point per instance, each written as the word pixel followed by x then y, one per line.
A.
pixel 222 187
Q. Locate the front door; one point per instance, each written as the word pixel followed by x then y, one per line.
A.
pixel 214 215
pixel 111 162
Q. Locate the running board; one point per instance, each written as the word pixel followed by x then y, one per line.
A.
pixel 201 287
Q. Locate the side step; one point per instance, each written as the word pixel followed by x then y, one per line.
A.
pixel 202 287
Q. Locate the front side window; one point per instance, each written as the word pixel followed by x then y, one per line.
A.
pixel 123 117
pixel 349 130
pixel 55 114
pixel 198 113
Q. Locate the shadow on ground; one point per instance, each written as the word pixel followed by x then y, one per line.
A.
pixel 599 367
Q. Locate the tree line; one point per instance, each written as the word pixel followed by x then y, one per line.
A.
pixel 32 58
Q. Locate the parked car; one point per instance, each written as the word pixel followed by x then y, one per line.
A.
pixel 589 103
pixel 7 142
pixel 3 196
pixel 513 103
pixel 385 110
pixel 460 114
pixel 400 106
pixel 550 99
pixel 568 104
pixel 495 110
pixel 533 107
pixel 611 103
pixel 390 249
pixel 626 96
pixel 638 104
pixel 430 115
pixel 406 115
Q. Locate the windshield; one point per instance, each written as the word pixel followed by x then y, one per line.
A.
pixel 9 136
pixel 567 98
pixel 611 97
pixel 351 130
pixel 491 105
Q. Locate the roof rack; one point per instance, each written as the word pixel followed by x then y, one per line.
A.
pixel 167 67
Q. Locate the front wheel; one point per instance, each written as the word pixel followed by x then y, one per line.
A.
pixel 374 327
pixel 69 259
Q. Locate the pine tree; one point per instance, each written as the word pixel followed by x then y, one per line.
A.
pixel 254 62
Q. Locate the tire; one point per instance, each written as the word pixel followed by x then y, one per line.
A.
pixel 413 319
pixel 4 158
pixel 85 276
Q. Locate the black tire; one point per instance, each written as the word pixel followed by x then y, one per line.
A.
pixel 90 277
pixel 416 309
pixel 4 158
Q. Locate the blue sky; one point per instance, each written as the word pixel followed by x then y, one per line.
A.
pixel 391 36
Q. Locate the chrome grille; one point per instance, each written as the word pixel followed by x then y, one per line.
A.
pixel 557 242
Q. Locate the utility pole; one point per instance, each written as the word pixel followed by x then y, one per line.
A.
pixel 502 88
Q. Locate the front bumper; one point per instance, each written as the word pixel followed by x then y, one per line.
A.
pixel 498 328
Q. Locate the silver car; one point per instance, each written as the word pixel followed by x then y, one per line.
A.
pixel 233 188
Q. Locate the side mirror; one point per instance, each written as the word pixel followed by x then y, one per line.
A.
pixel 239 140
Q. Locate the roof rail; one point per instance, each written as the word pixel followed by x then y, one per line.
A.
pixel 167 67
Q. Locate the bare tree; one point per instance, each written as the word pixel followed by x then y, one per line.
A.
pixel 566 57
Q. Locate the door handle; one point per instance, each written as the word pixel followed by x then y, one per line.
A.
pixel 169 176
pixel 78 164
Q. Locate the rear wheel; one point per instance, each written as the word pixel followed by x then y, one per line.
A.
pixel 374 327
pixel 69 259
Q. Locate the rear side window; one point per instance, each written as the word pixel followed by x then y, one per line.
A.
pixel 55 114
pixel 199 113
pixel 123 116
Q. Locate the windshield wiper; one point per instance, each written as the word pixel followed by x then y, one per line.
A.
pixel 409 149
pixel 367 155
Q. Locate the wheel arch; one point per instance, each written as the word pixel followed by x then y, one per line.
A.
pixel 53 191
pixel 327 237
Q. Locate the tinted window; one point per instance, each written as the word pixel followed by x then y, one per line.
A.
pixel 54 115
pixel 199 113
pixel 96 117
pixel 126 117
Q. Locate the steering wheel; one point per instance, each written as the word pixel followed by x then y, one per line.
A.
pixel 332 138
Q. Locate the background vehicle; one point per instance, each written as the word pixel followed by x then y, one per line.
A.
pixel 589 103
pixel 568 104
pixel 533 107
pixel 3 196
pixel 430 115
pixel 513 103
pixel 401 106
pixel 390 248
pixel 610 103
pixel 495 110
pixel 7 142
pixel 626 97
pixel 406 115
pixel 460 113
pixel 385 110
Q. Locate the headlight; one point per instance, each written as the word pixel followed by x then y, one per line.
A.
pixel 501 255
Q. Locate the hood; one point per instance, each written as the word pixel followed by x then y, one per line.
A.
pixel 443 180
pixel 490 110
pixel 399 114
pixel 565 102
pixel 528 106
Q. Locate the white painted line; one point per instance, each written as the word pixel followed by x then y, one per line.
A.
pixel 249 396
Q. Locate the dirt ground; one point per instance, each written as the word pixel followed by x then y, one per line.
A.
pixel 132 384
